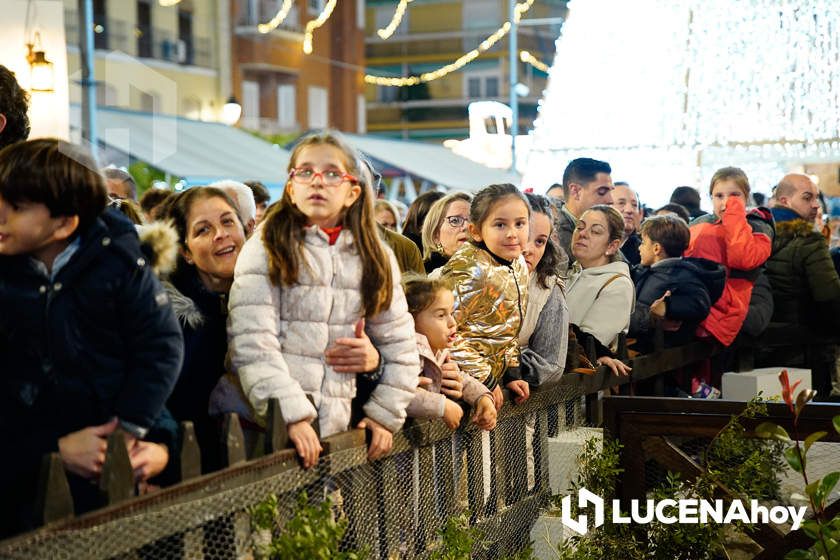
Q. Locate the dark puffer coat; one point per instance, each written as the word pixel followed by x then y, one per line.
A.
pixel 806 288
pixel 99 340
pixel 695 285
pixel 203 318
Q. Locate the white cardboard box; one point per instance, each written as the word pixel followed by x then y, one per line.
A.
pixel 745 385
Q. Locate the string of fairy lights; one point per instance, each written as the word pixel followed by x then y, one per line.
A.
pixel 387 31
pixel 458 63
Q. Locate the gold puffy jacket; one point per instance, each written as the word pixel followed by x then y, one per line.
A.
pixel 490 302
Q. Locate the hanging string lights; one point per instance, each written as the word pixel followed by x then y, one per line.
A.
pixel 278 18
pixel 314 24
pixel 457 64
pixel 389 29
pixel 527 57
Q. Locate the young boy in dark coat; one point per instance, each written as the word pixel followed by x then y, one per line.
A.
pixel 675 290
pixel 88 339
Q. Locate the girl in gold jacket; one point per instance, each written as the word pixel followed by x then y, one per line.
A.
pixel 490 280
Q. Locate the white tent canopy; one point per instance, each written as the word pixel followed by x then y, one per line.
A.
pixel 200 152
pixel 431 162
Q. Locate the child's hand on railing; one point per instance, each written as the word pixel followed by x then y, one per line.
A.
pixel 381 438
pixel 484 414
pixel 83 452
pixel 306 441
pixel 452 414
pixel 520 389
pixel 498 397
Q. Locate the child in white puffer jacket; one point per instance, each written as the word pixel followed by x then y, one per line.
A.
pixel 313 274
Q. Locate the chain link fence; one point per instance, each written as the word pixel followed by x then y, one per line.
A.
pixel 392 508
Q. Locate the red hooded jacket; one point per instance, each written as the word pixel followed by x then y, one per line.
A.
pixel 730 241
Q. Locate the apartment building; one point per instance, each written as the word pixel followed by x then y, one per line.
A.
pixel 434 33
pixel 158 56
pixel 281 88
pixel 188 57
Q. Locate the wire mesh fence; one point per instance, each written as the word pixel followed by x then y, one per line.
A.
pixel 391 508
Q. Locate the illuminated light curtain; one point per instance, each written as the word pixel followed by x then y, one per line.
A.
pixel 668 91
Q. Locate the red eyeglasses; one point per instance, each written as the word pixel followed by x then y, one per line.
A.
pixel 330 177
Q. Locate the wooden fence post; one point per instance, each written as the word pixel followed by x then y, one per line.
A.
pixel 277 437
pixel 190 458
pixel 53 500
pixel 116 483
pixel 233 441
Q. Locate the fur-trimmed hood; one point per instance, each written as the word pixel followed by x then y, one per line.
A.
pixel 794 228
pixel 159 243
pixel 185 308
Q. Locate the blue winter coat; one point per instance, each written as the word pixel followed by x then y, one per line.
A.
pixel 695 285
pixel 97 341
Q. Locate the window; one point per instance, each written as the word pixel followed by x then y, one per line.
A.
pixel 144 29
pixel 250 104
pixel 100 24
pixel 482 84
pixel 383 18
pixel 360 14
pixel 185 50
pixel 286 106
pixel 481 14
pixel 318 107
pixel 491 86
pixel 387 94
pixel 473 87
pixel 315 6
pixel 361 114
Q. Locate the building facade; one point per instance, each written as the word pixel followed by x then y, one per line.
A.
pixel 151 56
pixel 188 57
pixel 434 33
pixel 284 90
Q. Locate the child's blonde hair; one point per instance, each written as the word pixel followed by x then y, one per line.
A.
pixel 283 233
pixel 731 173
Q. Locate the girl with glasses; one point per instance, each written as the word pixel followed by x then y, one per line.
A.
pixel 316 274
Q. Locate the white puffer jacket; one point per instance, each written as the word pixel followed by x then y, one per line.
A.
pixel 277 336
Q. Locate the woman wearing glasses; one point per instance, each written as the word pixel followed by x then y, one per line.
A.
pixel 445 229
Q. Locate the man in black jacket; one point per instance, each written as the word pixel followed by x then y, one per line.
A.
pixel 88 339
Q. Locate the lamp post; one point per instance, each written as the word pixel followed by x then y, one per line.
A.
pixel 231 111
pixel 87 82
pixel 514 79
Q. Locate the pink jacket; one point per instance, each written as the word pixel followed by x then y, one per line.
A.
pixel 428 401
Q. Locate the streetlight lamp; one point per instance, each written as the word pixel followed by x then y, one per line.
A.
pixel 231 111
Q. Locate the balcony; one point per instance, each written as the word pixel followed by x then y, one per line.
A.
pixel 197 51
pixel 157 44
pixel 255 12
pixel 112 36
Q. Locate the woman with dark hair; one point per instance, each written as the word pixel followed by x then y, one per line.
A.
pixel 544 335
pixel 600 291
pixel 416 216
pixel 210 235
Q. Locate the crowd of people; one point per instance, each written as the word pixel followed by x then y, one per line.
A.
pixel 136 315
